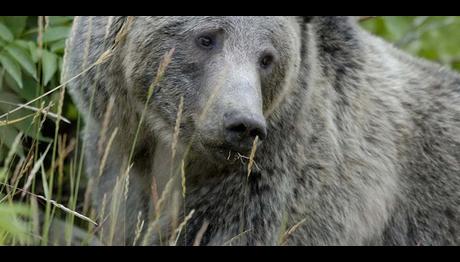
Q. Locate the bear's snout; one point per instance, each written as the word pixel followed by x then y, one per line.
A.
pixel 241 129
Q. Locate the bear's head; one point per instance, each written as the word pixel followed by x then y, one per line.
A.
pixel 229 73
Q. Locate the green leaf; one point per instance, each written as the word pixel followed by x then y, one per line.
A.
pixel 16 24
pixel 10 98
pixel 7 136
pixel 27 93
pixel 5 33
pixel 397 27
pixel 59 20
pixel 58 47
pixel 2 43
pixel 376 25
pixel 9 101
pixel 11 222
pixel 17 209
pixel 22 43
pixel 12 68
pixel 2 75
pixel 10 82
pixel 61 63
pixel 55 33
pixel 34 52
pixel 3 152
pixel 50 66
pixel 23 58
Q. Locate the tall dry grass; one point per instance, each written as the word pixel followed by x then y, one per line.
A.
pixel 51 219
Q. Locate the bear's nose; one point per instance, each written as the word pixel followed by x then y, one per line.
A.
pixel 242 129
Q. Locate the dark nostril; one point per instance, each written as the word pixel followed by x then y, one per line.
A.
pixel 238 128
pixel 258 133
pixel 244 127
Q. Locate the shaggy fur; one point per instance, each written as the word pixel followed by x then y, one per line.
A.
pixel 363 144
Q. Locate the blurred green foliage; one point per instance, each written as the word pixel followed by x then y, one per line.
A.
pixel 31 51
pixel 433 37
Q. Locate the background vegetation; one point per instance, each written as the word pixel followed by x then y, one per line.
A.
pixel 40 163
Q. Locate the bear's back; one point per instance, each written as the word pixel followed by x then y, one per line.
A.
pixel 428 212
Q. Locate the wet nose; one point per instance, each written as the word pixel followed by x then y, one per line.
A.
pixel 241 129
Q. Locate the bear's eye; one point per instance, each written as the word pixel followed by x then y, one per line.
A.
pixel 267 60
pixel 205 42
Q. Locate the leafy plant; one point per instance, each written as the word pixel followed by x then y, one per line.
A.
pixel 433 37
pixel 31 50
pixel 12 225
